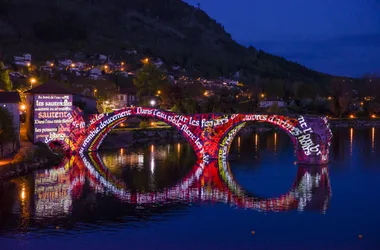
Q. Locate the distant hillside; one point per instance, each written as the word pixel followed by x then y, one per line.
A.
pixel 170 29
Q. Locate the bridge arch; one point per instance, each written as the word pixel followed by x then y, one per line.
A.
pixel 101 125
pixel 310 135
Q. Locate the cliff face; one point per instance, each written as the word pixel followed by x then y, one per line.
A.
pixel 170 29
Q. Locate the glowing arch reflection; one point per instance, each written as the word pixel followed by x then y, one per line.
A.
pixel 214 182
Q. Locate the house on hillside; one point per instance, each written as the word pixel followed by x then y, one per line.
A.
pixel 11 102
pixel 24 60
pixel 126 98
pixel 65 63
pixel 131 52
pixel 269 102
pixel 158 63
pixel 95 73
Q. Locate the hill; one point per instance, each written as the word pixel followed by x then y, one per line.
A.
pixel 170 29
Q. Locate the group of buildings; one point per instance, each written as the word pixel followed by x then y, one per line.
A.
pixel 97 68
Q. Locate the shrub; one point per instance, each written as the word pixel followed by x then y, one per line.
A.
pixel 144 124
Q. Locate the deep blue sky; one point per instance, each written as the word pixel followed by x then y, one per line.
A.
pixel 340 37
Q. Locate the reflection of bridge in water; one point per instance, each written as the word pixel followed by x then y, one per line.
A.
pixel 211 182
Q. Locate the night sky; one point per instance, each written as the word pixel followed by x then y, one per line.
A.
pixel 340 37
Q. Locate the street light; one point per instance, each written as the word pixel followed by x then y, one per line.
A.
pixel 23 107
pixel 95 90
pixel 32 81
pixel 262 95
pixel 152 103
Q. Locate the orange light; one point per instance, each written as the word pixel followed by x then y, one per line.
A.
pixel 121 124
pixel 352 116
pixel 72 65
pixel 33 80
pixel 106 66
pixel 23 195
pixel 122 69
pixel 28 64
pixel 122 63
pixel 22 107
pixel 152 124
pixel 51 64
pixel 262 95
pixel 373 116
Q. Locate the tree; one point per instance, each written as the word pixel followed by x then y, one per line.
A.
pixel 305 91
pixel 5 81
pixel 149 79
pixel 275 88
pixel 274 109
pixel 7 132
pixel 44 77
pixel 341 94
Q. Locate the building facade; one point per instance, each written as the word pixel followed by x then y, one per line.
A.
pixel 11 102
pixel 48 106
pixel 126 98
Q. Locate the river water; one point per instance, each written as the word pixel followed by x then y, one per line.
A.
pixel 157 196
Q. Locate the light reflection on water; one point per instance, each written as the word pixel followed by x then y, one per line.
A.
pixel 115 189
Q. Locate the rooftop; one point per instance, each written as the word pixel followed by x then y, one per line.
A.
pixel 52 87
pixel 9 97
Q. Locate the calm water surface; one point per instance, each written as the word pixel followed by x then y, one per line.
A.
pixel 159 197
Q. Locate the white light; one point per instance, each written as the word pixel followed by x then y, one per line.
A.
pixel 152 102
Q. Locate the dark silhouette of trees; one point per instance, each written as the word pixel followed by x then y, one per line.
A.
pixel 7 132
pixel 5 81
pixel 341 96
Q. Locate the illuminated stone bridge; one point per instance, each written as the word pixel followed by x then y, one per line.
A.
pixel 210 135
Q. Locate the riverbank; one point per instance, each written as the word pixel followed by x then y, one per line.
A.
pixel 29 158
pixel 354 123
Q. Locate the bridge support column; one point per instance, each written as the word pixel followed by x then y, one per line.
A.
pixel 312 145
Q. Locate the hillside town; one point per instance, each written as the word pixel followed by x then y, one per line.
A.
pixel 112 83
pixel 100 84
